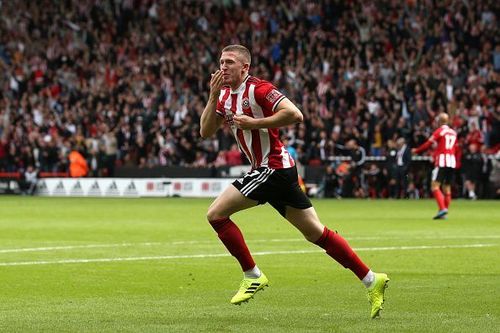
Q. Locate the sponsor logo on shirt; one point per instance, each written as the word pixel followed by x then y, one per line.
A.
pixel 229 119
pixel 273 96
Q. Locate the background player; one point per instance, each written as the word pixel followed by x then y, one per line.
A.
pixel 445 163
pixel 255 109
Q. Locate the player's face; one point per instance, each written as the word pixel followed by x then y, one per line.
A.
pixel 233 68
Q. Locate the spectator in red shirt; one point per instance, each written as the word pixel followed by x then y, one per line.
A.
pixel 233 156
pixel 475 136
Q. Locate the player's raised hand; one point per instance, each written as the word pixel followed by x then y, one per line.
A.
pixel 244 122
pixel 216 83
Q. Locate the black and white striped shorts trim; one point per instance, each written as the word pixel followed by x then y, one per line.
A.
pixel 434 174
pixel 254 183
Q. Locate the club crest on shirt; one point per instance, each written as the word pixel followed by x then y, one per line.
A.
pixel 245 104
pixel 273 95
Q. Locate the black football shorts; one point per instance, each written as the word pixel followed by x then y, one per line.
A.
pixel 279 187
pixel 443 175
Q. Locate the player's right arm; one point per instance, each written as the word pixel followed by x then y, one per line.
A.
pixel 210 121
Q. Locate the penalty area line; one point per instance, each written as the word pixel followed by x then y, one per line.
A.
pixel 216 255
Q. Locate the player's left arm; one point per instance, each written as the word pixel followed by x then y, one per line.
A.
pixel 285 113
pixel 423 147
pixel 427 144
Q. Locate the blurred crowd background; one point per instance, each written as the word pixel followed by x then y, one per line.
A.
pixel 125 81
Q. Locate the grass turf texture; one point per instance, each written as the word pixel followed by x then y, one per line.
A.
pixel 453 289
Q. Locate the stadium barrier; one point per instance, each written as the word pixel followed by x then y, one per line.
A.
pixel 9 186
pixel 131 187
pixel 9 183
pixel 172 181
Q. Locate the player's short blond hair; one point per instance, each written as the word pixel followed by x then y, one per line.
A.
pixel 241 50
pixel 443 118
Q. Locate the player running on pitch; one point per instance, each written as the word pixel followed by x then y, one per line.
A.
pixel 255 110
pixel 444 163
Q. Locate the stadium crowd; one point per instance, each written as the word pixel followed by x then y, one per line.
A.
pixel 125 81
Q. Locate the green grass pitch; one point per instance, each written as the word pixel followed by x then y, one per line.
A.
pixel 155 265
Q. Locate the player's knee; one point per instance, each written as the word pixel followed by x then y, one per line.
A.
pixel 435 186
pixel 213 215
pixel 312 235
pixel 210 216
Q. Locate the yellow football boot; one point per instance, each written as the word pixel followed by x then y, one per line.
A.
pixel 376 293
pixel 248 288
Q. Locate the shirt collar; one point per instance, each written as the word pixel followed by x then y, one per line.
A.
pixel 241 87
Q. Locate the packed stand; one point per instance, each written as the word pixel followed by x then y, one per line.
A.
pixel 124 82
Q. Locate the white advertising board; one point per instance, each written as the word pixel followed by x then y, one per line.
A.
pixel 131 187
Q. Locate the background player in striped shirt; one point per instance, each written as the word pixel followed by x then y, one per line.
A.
pixel 445 140
pixel 255 110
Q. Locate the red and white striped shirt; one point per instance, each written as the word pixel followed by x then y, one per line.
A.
pixel 257 99
pixel 444 155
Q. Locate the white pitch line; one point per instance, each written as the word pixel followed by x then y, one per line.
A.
pixel 395 236
pixel 389 237
pixel 277 240
pixel 70 247
pixel 96 246
pixel 262 253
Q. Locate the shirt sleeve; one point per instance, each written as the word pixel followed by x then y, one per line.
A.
pixel 220 108
pixel 268 97
pixel 435 136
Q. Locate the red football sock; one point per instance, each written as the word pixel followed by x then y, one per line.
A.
pixel 338 248
pixel 447 200
pixel 232 238
pixel 439 198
